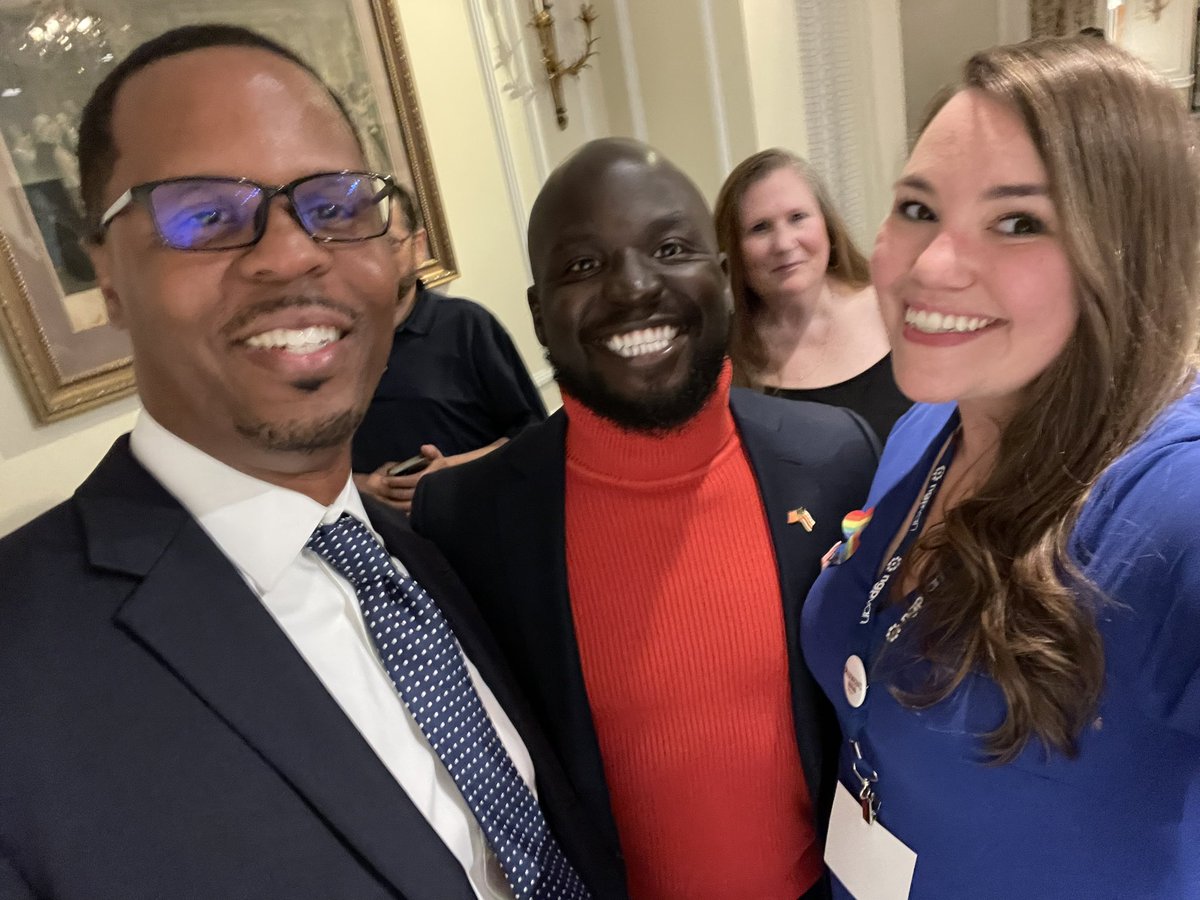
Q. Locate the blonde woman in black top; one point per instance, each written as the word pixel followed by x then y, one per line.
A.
pixel 807 325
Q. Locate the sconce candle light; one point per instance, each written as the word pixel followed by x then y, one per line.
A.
pixel 556 69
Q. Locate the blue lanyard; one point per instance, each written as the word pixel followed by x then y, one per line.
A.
pixel 867 635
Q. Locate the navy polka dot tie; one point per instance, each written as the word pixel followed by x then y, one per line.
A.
pixel 422 657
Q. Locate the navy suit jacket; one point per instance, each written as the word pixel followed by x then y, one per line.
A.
pixel 501 523
pixel 160 736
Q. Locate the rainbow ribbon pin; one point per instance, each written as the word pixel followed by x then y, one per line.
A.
pixel 852 526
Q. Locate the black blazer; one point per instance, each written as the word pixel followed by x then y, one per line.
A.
pixel 160 736
pixel 500 522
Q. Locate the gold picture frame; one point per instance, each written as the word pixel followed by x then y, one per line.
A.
pixel 51 315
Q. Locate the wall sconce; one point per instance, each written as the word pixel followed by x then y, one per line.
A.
pixel 556 69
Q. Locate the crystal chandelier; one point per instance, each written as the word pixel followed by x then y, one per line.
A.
pixel 64 32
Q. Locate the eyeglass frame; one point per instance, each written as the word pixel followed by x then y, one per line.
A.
pixel 140 193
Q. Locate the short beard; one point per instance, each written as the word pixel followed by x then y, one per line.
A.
pixel 303 437
pixel 654 414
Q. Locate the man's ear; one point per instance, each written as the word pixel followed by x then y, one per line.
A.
pixel 421 245
pixel 98 253
pixel 535 310
pixel 728 287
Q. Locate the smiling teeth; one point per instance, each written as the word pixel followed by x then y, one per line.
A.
pixel 936 323
pixel 643 341
pixel 295 340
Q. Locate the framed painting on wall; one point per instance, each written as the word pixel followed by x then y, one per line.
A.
pixel 52 55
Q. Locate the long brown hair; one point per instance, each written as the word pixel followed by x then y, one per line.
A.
pixel 1119 150
pixel 846 262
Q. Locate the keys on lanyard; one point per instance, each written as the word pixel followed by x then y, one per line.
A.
pixel 867 777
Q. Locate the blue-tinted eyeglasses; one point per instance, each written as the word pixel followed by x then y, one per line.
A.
pixel 203 213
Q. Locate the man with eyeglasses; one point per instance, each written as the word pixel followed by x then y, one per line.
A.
pixel 222 672
pixel 455 387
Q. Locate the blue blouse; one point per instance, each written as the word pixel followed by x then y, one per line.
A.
pixel 1122 819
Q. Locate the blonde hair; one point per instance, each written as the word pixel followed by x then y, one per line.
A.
pixel 1120 154
pixel 846 262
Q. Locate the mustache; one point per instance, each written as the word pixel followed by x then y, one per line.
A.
pixel 246 316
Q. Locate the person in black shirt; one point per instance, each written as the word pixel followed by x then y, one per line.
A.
pixel 807 324
pixel 454 389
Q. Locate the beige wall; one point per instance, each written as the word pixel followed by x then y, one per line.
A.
pixel 691 83
pixel 41 465
pixel 488 240
pixel 881 122
pixel 939 35
pixel 776 79
pixel 672 73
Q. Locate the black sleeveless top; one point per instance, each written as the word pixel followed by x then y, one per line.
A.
pixel 872 394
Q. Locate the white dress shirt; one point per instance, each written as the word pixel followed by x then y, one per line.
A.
pixel 263 530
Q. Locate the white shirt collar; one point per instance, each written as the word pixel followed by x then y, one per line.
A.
pixel 261 527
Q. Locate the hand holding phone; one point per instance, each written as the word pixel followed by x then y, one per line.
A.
pixel 410 466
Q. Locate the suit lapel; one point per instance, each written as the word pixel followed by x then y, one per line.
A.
pixel 586 833
pixel 192 611
pixel 786 484
pixel 538 561
pixel 433 573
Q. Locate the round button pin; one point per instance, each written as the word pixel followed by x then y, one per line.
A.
pixel 854 681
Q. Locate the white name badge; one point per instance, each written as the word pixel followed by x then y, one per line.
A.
pixel 868 859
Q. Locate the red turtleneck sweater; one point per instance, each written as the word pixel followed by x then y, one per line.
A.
pixel 675 595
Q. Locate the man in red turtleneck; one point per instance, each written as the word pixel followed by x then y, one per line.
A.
pixel 643 555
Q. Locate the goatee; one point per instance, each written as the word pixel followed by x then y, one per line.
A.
pixel 651 413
